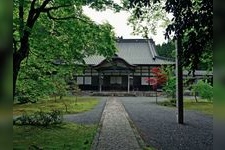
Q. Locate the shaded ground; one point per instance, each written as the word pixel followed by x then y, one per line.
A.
pixel 158 125
pixel 67 136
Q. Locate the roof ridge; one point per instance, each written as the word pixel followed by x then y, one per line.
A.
pixel 165 58
pixel 150 48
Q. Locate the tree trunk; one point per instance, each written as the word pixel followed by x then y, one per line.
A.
pixel 195 93
pixel 16 67
pixel 23 52
pixel 179 86
pixel 18 57
pixel 76 100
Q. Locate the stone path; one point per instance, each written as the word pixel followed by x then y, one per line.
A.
pixel 116 132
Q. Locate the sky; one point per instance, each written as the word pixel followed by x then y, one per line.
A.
pixel 119 22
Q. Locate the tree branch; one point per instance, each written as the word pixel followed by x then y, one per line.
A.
pixel 68 17
pixel 55 8
pixel 33 4
pixel 14 45
pixel 21 17
pixel 63 18
pixel 44 4
pixel 34 13
pixel 47 10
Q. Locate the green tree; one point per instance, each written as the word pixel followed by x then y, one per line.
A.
pixel 204 90
pixel 146 16
pixel 166 50
pixel 206 61
pixel 56 30
pixel 191 26
pixel 76 91
pixel 170 86
pixel 191 20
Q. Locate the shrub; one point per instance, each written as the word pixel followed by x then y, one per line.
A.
pixel 40 118
pixel 170 87
pixel 26 99
pixel 204 89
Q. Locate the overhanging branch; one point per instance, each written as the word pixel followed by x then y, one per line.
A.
pixel 33 4
pixel 62 18
pixel 54 8
pixel 67 17
pixel 21 17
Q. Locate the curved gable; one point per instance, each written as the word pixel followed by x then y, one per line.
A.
pixel 115 63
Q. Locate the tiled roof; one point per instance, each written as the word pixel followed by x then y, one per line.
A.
pixel 199 73
pixel 135 52
pixel 94 60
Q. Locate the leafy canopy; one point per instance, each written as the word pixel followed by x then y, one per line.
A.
pixel 166 50
pixel 192 20
pixel 51 38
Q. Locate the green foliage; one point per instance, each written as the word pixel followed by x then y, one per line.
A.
pixel 192 21
pixel 170 87
pixel 53 38
pixel 40 118
pixel 166 50
pixel 23 99
pixel 76 91
pixel 204 89
pixel 169 103
pixel 146 20
pixel 35 77
pixel 60 87
pixel 101 5
pixel 206 61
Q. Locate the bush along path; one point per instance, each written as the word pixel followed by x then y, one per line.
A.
pixel 53 130
pixel 115 131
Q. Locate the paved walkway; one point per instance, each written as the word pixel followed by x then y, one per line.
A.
pixel 116 132
pixel 156 124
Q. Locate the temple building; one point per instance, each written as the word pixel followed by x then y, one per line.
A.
pixel 127 70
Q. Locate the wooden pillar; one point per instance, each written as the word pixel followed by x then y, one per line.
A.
pixel 128 82
pixel 179 77
pixel 100 81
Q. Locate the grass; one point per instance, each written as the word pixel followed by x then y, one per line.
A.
pixel 202 105
pixel 46 105
pixel 149 148
pixel 66 136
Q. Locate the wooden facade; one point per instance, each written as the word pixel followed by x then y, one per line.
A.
pixel 116 80
pixel 127 70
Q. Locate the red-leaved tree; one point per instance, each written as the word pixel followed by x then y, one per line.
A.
pixel 159 78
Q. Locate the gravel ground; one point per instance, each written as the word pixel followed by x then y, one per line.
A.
pixel 90 117
pixel 159 128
